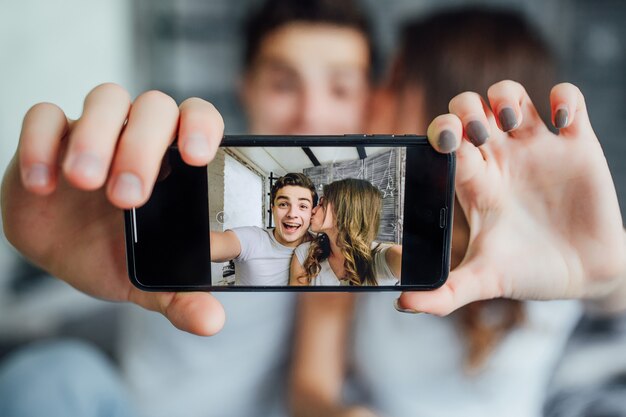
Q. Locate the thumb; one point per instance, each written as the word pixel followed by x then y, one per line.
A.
pixel 198 313
pixel 467 283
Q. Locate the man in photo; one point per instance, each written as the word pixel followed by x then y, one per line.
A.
pixel 262 256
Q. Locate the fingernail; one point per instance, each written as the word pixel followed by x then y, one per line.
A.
pixel 197 145
pixel 560 118
pixel 404 310
pixel 446 141
pixel 38 175
pixel 127 188
pixel 87 165
pixel 508 119
pixel 476 132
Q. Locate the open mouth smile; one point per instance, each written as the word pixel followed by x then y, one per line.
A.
pixel 291 227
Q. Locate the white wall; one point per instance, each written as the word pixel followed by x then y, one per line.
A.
pixel 58 51
pixel 243 195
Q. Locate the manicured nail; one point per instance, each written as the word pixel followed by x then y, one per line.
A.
pixel 197 145
pixel 476 132
pixel 404 310
pixel 86 165
pixel 127 188
pixel 508 119
pixel 446 141
pixel 560 118
pixel 38 175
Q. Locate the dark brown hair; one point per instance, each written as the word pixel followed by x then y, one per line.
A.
pixel 295 179
pixel 273 14
pixel 469 50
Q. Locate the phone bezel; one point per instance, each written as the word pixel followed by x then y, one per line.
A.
pixel 349 140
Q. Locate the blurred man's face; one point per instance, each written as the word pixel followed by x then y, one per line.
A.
pixel 308 79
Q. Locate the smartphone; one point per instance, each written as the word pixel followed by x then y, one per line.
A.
pixel 285 213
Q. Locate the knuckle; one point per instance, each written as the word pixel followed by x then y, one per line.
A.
pixel 464 100
pixel 113 89
pixel 205 107
pixel 43 107
pixel 497 89
pixel 159 98
pixel 193 101
pixel 564 88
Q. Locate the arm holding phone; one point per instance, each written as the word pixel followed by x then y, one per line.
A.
pixel 64 191
pixel 44 201
pixel 224 246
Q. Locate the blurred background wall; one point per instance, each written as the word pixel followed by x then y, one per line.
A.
pixel 58 51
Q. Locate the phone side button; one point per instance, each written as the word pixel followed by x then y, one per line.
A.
pixel 442 217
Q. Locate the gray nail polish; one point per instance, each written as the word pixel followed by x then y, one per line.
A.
pixel 404 310
pixel 508 119
pixel 38 175
pixel 87 165
pixel 476 132
pixel 446 141
pixel 127 188
pixel 560 118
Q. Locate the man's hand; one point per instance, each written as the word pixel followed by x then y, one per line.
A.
pixel 542 208
pixel 64 191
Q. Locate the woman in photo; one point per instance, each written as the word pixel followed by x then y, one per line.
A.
pixel 347 220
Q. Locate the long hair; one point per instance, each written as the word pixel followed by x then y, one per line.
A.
pixel 471 49
pixel 356 205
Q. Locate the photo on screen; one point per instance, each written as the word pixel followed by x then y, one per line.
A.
pixel 370 179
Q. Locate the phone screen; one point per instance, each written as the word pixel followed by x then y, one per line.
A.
pixel 292 213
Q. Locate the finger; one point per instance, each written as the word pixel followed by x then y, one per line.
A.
pixel 151 127
pixel 44 126
pixel 195 312
pixel 200 131
pixel 95 135
pixel 516 112
pixel 444 134
pixel 466 284
pixel 569 112
pixel 474 114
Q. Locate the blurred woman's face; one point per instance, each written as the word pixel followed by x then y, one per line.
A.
pixel 403 112
pixel 397 112
pixel 308 79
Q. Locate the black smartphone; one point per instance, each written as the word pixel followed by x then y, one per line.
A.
pixel 284 213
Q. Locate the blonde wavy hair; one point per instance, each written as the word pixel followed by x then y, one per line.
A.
pixel 357 206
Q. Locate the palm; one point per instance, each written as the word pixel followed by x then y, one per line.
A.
pixel 540 212
pixel 542 209
pixel 72 234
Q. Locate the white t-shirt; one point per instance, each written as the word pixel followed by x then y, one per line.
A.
pixel 413 365
pixel 241 371
pixel 263 261
pixel 328 277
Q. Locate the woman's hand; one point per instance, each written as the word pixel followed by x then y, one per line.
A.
pixel 64 191
pixel 542 208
